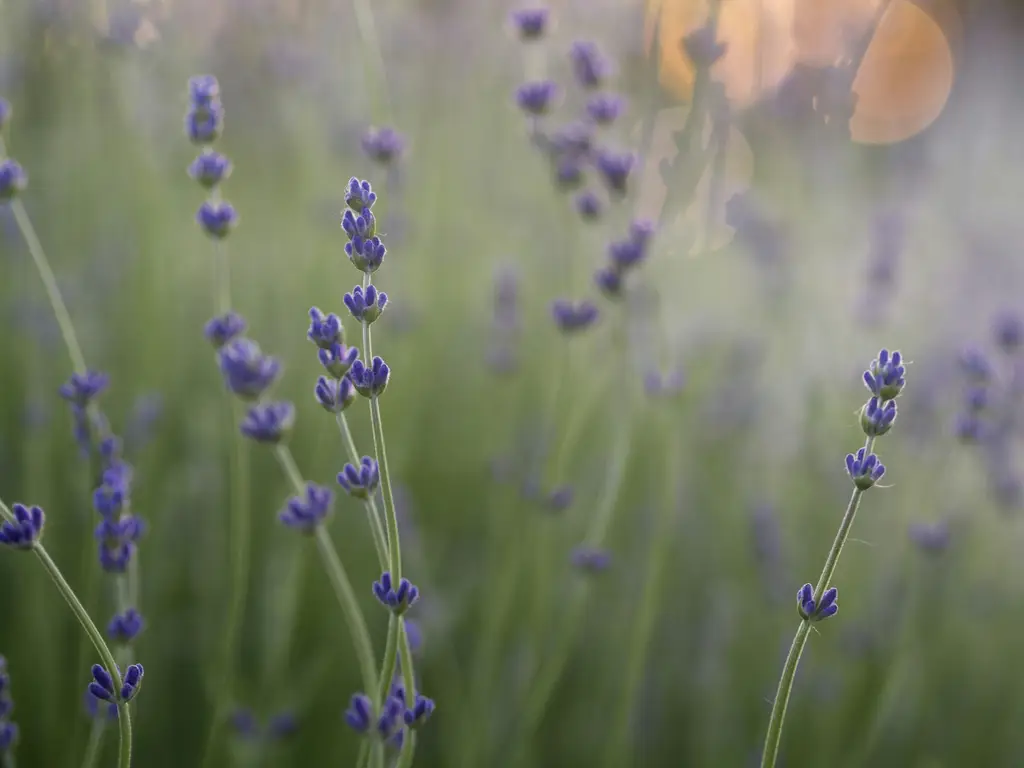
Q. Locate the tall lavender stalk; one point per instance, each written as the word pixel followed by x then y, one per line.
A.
pixel 370 378
pixel 885 380
pixel 217 217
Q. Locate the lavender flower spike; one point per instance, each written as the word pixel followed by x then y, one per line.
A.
pixel 338 359
pixel 811 612
pixel 361 482
pixel 877 419
pixel 26 530
pixel 885 378
pixel 224 328
pixel 536 99
pixel 269 422
pixel 372 381
pixel 324 330
pixel 12 179
pixel 217 218
pixel 305 513
pixel 366 254
pixel 246 370
pixel 334 395
pixel 82 388
pixel 885 375
pixel 573 317
pixel 359 195
pixel 365 304
pixel 383 145
pixel 396 597
pixel 864 470
pixel 530 23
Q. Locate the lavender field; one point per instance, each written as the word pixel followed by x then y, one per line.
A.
pixel 476 384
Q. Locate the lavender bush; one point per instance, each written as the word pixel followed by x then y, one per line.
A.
pixel 613 435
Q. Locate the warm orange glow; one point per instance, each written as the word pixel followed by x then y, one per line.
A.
pixel 903 82
pixel 703 221
pixel 760 51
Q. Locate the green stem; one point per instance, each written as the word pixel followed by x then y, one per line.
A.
pixel 364 754
pixel 338 578
pixel 387 670
pixel 379 99
pixel 123 717
pixel 394 548
pixel 543 687
pixel 239 531
pixel 92 748
pixel 60 309
pixel 372 515
pixel 9 761
pixel 774 737
pixel 409 681
pixel 651 602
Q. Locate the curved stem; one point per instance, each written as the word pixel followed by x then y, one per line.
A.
pixel 338 578
pixel 778 716
pixel 60 310
pixel 387 670
pixel 123 716
pixel 651 602
pixel 409 681
pixel 92 748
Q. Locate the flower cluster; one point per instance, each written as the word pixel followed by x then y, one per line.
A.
pixel 885 379
pixel 8 728
pixel 119 530
pixel 624 256
pixel 386 723
pixel 304 513
pixel 102 684
pixel 204 123
pixel 26 528
pixel 574 149
pixel 820 610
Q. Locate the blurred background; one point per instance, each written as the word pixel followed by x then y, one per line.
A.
pixel 607 526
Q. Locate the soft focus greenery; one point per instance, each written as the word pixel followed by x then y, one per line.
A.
pixel 733 488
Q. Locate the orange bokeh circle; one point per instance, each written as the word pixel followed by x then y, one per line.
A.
pixel 903 82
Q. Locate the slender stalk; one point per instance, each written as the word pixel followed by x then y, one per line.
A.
pixel 364 754
pixel 394 548
pixel 380 101
pixel 390 653
pixel 9 761
pixel 60 309
pixel 338 578
pixel 123 717
pixel 651 602
pixel 772 740
pixel 372 514
pixel 92 748
pixel 568 628
pixel 409 681
pixel 239 529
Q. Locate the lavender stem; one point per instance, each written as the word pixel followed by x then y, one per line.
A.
pixel 123 716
